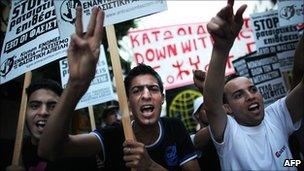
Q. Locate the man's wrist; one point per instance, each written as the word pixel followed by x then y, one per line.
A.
pixel 221 49
pixel 77 88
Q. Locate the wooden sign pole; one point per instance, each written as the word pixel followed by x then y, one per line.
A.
pixel 92 118
pixel 122 98
pixel 21 121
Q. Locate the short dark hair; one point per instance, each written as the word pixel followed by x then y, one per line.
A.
pixel 44 84
pixel 142 69
pixel 227 79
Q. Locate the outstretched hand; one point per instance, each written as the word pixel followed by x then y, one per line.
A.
pixel 83 52
pixel 199 77
pixel 225 26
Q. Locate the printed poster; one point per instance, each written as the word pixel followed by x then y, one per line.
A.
pixel 100 89
pixel 116 11
pixel 269 37
pixel 32 38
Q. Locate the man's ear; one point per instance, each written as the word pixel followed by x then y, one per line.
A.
pixel 163 98
pixel 228 109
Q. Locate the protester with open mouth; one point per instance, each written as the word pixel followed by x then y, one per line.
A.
pixel 43 95
pixel 160 143
pixel 249 137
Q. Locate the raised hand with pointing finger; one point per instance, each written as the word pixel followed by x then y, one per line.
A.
pixel 235 109
pixel 225 26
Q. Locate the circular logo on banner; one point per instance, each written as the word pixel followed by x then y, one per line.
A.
pixel 182 107
pixel 6 66
pixel 287 12
pixel 68 10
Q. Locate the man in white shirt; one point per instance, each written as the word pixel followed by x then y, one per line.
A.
pixel 249 138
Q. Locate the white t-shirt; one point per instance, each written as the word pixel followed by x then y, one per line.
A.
pixel 263 147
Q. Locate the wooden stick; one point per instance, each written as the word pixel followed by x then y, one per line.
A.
pixel 21 120
pixel 92 118
pixel 122 98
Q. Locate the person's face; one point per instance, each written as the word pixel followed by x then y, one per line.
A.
pixel 40 105
pixel 145 99
pixel 245 102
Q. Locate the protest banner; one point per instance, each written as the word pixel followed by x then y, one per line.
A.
pixel 269 37
pixel 116 11
pixel 32 38
pixel 272 90
pixel 100 89
pixel 265 72
pixel 290 12
pixel 174 51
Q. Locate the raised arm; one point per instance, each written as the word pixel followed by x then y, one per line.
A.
pixel 83 54
pixel 295 99
pixel 224 28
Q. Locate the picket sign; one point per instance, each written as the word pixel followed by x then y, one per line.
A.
pixel 21 120
pixel 120 88
pixel 92 118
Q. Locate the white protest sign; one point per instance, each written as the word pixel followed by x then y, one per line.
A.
pixel 32 38
pixel 116 11
pixel 174 51
pixel 100 89
pixel 290 12
pixel 269 37
pixel 272 90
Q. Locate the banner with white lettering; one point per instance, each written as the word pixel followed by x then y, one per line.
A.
pixel 116 11
pixel 32 38
pixel 290 12
pixel 269 37
pixel 174 51
pixel 265 72
pixel 100 89
pixel 272 90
